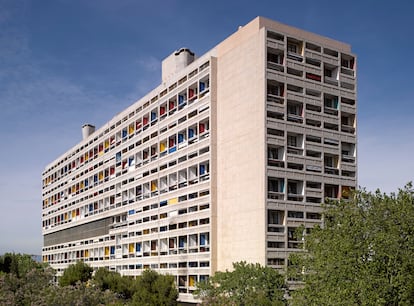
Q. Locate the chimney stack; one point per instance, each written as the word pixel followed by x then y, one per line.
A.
pixel 87 130
pixel 176 62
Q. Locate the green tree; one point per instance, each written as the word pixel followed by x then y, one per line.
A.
pixel 75 273
pixel 23 281
pixel 362 255
pixel 123 286
pixel 18 264
pixel 247 284
pixel 153 288
pixel 80 294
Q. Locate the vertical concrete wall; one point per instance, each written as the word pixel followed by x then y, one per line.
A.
pixel 241 148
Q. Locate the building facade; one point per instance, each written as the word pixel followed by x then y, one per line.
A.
pixel 220 163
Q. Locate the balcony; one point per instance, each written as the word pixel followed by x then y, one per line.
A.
pixel 275 66
pixel 275 163
pixel 295 118
pixel 347 129
pixel 313 77
pixel 295 197
pixel 294 150
pixel 275 229
pixel 294 56
pixel 313 168
pixel 346 158
pixel 347 85
pixel 330 111
pixel 331 81
pixel 347 71
pixel 275 98
pixel 275 195
pixel 275 41
pixel 331 170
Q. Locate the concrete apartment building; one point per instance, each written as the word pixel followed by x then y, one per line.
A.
pixel 220 163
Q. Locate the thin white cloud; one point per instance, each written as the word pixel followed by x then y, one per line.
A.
pixel 149 64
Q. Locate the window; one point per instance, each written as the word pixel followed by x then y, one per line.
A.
pixel 331 191
pixel 275 58
pixel 274 88
pixel 275 115
pixel 275 217
pixel 273 152
pixel 328 72
pixel 331 164
pixel 313 47
pixel 276 261
pixel 312 153
pixel 275 156
pixel 313 216
pixel 292 141
pixel 346 63
pixel 275 244
pixel 331 142
pixel 275 184
pixel 275 36
pixel 329 161
pixel 313 62
pixel 294 112
pixel 292 48
pixel 292 187
pixel 294 109
pixel 314 185
pixel 331 105
pixel 347 151
pixel 295 214
pixel 295 190
pixel 330 52
pixel 314 139
pixel 275 132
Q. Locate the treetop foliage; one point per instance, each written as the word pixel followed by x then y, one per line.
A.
pixel 362 255
pixel 248 284
pixel 79 272
pixel 26 282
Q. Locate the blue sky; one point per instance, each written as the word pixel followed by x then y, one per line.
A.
pixel 64 63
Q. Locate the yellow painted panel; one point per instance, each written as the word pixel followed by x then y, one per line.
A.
pixel 73 213
pixel 163 146
pixel 192 281
pixel 173 201
pixel 106 251
pixel 153 186
pixel 131 248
